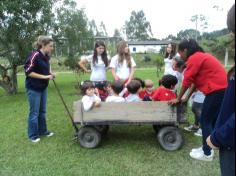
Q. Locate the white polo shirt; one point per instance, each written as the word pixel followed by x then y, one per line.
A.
pixel 122 70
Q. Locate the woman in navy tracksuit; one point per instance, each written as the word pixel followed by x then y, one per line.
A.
pixel 223 136
pixel 37 70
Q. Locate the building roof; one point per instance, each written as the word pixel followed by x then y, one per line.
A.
pixel 158 42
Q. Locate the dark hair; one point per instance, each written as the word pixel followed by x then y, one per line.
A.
pixel 191 45
pixel 85 86
pixel 179 62
pixel 173 51
pixel 117 86
pixel 141 81
pixel 231 19
pixel 133 86
pixel 104 54
pixel 168 81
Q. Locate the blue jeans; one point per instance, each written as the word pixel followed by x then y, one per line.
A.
pixel 37 115
pixel 210 111
pixel 227 162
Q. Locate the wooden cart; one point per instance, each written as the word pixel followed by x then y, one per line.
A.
pixel 95 123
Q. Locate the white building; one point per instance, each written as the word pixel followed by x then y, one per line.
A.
pixel 146 46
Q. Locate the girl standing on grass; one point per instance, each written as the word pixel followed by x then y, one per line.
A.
pixel 169 55
pixel 98 64
pixel 38 74
pixel 122 65
pixel 205 73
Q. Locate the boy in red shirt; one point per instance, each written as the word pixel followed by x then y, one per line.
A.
pixel 166 91
pixel 148 92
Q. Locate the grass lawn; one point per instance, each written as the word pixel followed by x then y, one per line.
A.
pixel 126 151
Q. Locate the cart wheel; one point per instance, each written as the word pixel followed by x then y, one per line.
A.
pixel 170 138
pixel 102 129
pixel 89 137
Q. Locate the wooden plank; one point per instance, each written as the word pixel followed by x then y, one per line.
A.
pixel 127 112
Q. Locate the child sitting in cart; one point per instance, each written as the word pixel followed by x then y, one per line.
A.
pixel 166 91
pixel 90 99
pixel 116 89
pixel 148 92
pixel 133 88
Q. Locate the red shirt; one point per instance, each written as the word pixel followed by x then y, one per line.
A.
pixel 163 94
pixel 144 93
pixel 205 72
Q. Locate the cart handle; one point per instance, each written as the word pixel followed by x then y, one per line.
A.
pixel 66 107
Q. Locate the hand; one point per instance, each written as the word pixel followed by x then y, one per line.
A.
pixel 184 100
pixel 50 77
pixel 97 104
pixel 209 143
pixel 117 78
pixel 54 75
pixel 174 102
pixel 96 92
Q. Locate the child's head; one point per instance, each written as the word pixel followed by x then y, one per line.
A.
pixel 170 50
pixel 188 47
pixel 117 87
pixel 134 86
pixel 141 82
pixel 149 85
pixel 100 50
pixel 178 64
pixel 87 88
pixel 169 81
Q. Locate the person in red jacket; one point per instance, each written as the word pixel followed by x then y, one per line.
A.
pixel 207 74
pixel 166 91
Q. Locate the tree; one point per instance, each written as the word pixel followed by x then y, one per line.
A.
pixel 20 24
pixel 93 28
pixel 138 28
pixel 199 20
pixel 117 33
pixel 188 33
pixel 71 25
pixel 102 30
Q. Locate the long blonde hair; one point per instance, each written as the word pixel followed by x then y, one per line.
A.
pixel 122 55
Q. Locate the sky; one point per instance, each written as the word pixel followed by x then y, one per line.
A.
pixel 165 16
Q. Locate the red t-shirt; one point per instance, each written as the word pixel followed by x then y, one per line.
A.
pixel 205 72
pixel 144 93
pixel 163 94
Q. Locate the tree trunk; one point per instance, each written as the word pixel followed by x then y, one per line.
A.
pixel 9 83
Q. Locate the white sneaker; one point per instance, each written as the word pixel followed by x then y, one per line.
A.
pixel 198 133
pixel 49 134
pixel 201 156
pixel 197 150
pixel 35 140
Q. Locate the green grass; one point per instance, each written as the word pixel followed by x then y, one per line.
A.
pixel 126 151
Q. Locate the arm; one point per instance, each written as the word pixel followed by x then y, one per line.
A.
pixel 82 64
pixel 221 136
pixel 191 90
pixel 113 71
pixel 131 75
pixel 178 99
pixel 39 76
